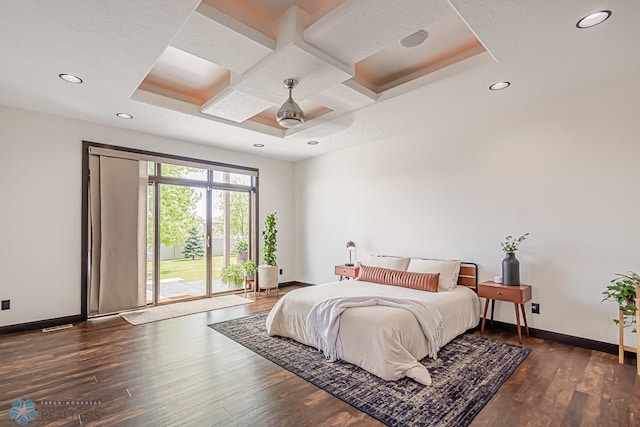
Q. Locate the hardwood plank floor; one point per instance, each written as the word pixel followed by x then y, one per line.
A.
pixel 179 372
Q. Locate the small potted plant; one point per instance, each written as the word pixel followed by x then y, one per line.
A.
pixel 510 265
pixel 233 275
pixel 250 268
pixel 241 249
pixel 622 290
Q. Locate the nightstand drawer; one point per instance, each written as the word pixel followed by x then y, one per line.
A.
pixel 516 294
pixel 347 271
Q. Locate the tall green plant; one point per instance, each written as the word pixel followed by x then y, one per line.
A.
pixel 270 240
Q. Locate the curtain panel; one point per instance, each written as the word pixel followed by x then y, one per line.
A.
pixel 118 234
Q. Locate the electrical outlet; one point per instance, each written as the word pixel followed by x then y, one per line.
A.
pixel 280 271
pixel 535 308
pixel 6 304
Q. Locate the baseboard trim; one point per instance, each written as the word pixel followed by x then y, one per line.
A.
pixel 40 324
pixel 562 338
pixel 293 283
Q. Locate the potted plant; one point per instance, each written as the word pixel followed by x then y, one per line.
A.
pixel 622 290
pixel 241 249
pixel 250 268
pixel 268 272
pixel 510 265
pixel 233 275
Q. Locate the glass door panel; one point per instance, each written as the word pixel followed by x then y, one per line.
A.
pixel 182 255
pixel 230 243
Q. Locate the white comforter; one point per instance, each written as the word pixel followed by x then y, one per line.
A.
pixel 386 341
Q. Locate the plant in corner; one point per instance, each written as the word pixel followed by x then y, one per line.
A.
pixel 622 290
pixel 510 265
pixel 233 275
pixel 270 240
pixel 268 273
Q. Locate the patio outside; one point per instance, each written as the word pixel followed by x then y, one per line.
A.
pixel 182 278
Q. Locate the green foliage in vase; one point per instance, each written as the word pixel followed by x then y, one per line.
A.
pixel 270 240
pixel 510 245
pixel 622 290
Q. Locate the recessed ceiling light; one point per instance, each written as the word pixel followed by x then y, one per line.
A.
pixel 312 142
pixel 499 85
pixel 594 19
pixel 258 145
pixel 124 116
pixel 70 78
pixel 415 39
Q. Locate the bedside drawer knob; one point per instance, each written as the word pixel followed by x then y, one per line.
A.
pixel 499 293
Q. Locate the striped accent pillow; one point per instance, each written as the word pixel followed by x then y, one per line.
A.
pixel 405 279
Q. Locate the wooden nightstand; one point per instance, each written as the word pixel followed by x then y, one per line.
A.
pixel 348 271
pixel 518 295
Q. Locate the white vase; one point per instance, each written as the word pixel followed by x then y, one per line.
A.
pixel 268 276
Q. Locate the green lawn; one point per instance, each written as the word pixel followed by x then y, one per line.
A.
pixel 189 269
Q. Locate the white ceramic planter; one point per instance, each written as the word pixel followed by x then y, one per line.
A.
pixel 267 276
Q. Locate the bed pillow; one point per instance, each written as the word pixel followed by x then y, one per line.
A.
pixel 405 279
pixel 391 262
pixel 448 270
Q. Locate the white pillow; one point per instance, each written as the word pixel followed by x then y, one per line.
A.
pixel 392 262
pixel 448 270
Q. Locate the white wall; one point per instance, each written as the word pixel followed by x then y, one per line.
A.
pixel 564 169
pixel 40 206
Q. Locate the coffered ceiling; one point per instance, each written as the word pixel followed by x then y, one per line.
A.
pixel 212 72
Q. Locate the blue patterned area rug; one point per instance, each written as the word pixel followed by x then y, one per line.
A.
pixel 467 373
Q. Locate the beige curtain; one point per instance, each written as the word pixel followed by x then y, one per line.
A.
pixel 118 215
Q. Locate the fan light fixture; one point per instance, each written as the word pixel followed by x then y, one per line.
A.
pixel 290 115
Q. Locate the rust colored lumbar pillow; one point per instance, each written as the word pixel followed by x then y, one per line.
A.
pixel 385 276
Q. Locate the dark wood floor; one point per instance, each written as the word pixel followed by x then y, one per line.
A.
pixel 179 372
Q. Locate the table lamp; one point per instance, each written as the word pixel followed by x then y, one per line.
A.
pixel 351 248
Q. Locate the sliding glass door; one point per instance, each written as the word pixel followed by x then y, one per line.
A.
pixel 158 228
pixel 200 232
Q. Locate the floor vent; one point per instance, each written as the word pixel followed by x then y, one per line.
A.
pixel 57 328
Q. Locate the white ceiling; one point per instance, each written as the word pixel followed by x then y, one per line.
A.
pixel 115 45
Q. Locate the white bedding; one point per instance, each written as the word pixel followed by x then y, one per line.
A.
pixel 386 341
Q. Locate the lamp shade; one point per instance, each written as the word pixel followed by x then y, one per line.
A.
pixel 350 245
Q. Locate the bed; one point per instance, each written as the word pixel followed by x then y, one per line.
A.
pixel 385 340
